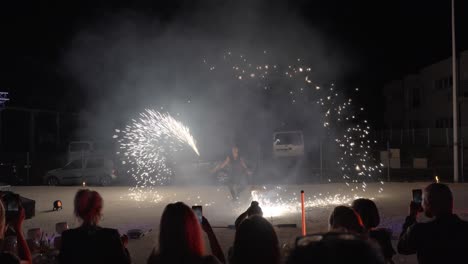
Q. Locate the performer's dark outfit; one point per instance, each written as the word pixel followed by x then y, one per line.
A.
pixel 237 177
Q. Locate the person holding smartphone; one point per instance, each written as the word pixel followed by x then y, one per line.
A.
pixel 442 240
pixel 255 241
pixel 181 239
pixel 239 174
pixel 254 209
pixel 14 218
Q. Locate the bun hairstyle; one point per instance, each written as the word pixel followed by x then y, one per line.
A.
pixel 88 206
pixel 254 209
pixel 368 211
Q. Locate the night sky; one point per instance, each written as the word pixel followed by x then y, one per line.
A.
pixel 381 40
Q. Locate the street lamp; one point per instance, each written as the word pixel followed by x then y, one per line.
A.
pixel 454 98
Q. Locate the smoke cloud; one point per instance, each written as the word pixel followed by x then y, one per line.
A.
pixel 128 61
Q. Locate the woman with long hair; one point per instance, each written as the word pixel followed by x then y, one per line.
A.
pixel 180 238
pixel 91 243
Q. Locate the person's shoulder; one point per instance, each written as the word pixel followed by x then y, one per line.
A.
pixel 422 225
pixel 419 228
pixel 462 222
pixel 70 232
pixel 108 232
pixel 100 231
pixel 66 232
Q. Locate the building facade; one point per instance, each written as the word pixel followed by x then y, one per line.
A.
pixel 424 99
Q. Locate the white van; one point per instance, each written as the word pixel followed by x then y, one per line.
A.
pixel 288 144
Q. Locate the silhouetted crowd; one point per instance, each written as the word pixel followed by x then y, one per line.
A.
pixel 354 236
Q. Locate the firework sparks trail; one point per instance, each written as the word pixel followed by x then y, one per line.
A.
pixel 174 128
pixel 145 145
pixel 356 164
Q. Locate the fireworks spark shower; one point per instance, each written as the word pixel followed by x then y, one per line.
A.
pixel 355 162
pixel 146 145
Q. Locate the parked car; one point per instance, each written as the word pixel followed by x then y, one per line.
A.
pixel 90 170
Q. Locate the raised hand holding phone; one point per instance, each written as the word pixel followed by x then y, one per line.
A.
pixel 416 202
pixel 417 196
pixel 198 210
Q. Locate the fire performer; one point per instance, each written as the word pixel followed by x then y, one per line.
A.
pixel 238 172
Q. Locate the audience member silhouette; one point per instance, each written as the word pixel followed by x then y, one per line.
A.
pixel 91 243
pixel 255 242
pixel 345 219
pixel 442 240
pixel 370 217
pixel 180 238
pixel 254 209
pixel 335 248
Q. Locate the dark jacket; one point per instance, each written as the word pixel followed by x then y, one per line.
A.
pixel 444 240
pixel 384 238
pixel 7 257
pixel 92 245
